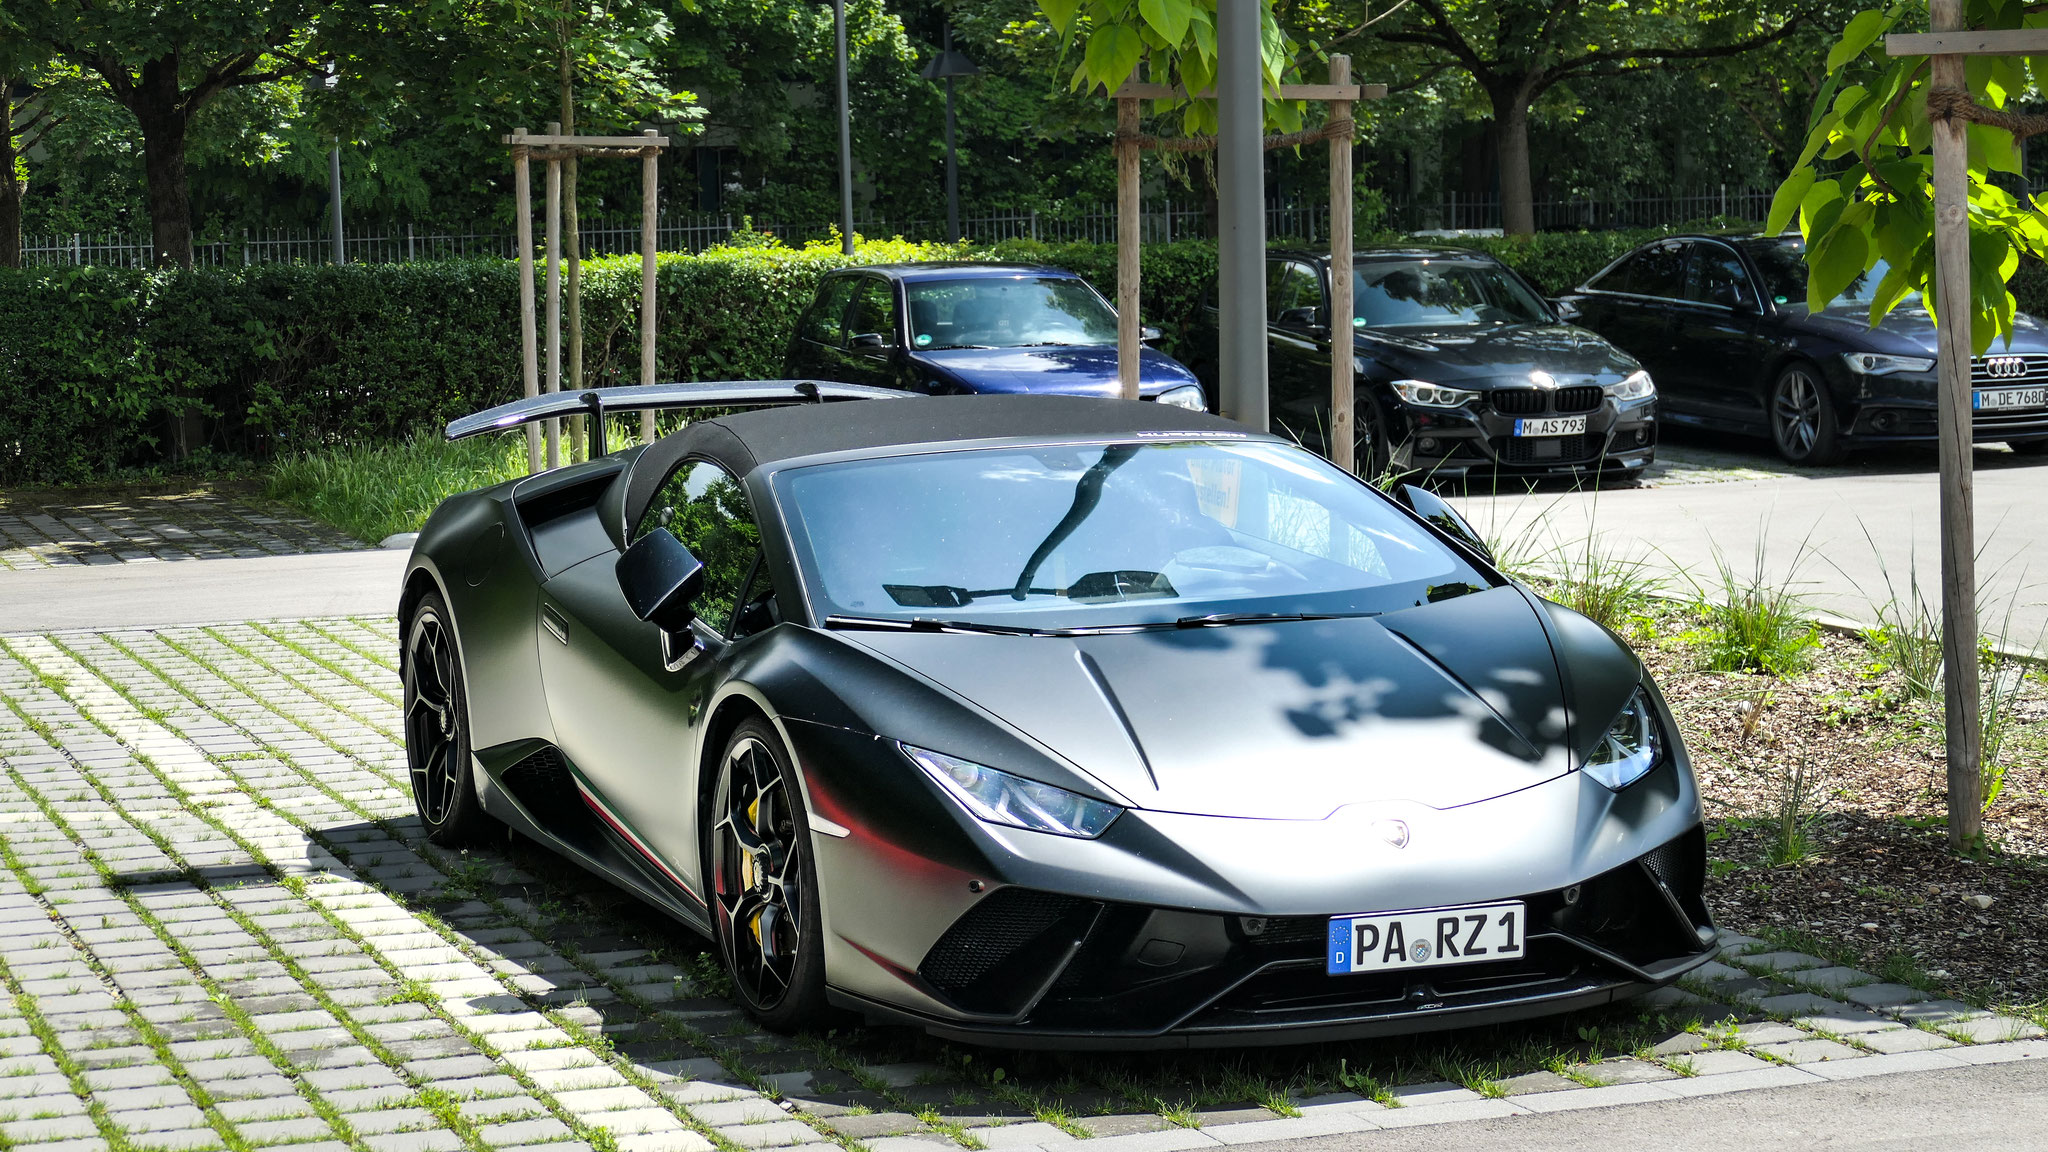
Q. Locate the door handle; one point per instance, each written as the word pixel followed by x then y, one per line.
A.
pixel 553 622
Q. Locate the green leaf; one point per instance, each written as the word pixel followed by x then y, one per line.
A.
pixel 1817 137
pixel 1890 291
pixel 1113 54
pixel 1060 13
pixel 1835 262
pixel 1861 33
pixel 1786 202
pixel 1819 208
pixel 1169 18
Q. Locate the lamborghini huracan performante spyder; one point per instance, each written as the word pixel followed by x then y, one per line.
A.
pixel 1050 721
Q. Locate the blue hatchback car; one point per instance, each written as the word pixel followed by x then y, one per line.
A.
pixel 957 328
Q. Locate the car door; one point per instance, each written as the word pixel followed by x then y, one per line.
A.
pixel 821 333
pixel 1632 305
pixel 1719 340
pixel 1298 349
pixel 874 335
pixel 625 698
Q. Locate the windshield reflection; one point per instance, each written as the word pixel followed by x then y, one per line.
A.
pixel 1024 312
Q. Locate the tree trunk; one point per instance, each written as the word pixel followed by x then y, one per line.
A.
pixel 1511 141
pixel 10 189
pixel 160 111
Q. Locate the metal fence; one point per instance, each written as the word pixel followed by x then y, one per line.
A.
pixel 1160 221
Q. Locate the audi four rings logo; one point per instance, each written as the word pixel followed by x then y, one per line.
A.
pixel 2005 367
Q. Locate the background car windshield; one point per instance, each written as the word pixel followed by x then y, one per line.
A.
pixel 1783 264
pixel 1083 535
pixel 1441 294
pixel 1007 313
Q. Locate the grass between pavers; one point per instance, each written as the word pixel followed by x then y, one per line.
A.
pixel 298 662
pixel 375 491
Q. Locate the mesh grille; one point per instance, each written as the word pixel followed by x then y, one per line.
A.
pixel 1550 449
pixel 540 781
pixel 990 933
pixel 1536 401
pixel 1581 399
pixel 1292 931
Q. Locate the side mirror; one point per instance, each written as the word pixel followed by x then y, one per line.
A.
pixel 661 579
pixel 1298 317
pixel 868 340
pixel 1148 334
pixel 1565 310
pixel 1438 512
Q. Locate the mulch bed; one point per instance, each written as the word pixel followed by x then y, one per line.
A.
pixel 1878 881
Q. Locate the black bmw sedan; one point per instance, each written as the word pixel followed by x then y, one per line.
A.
pixel 1463 369
pixel 1722 323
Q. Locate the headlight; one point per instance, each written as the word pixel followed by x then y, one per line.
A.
pixel 1631 747
pixel 1426 395
pixel 1001 798
pixel 1636 387
pixel 1879 364
pixel 1186 396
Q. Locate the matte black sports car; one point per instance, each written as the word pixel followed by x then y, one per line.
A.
pixel 1050 721
pixel 1463 369
pixel 1722 323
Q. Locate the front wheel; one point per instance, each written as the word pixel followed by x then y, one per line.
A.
pixel 1372 451
pixel 1803 417
pixel 764 884
pixel 437 730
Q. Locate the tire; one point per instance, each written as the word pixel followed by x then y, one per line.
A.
pixel 2028 447
pixel 437 743
pixel 1372 452
pixel 764 905
pixel 1802 416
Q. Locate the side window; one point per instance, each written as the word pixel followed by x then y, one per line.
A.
pixel 1659 272
pixel 1716 276
pixel 823 323
pixel 1291 285
pixel 707 510
pixel 873 311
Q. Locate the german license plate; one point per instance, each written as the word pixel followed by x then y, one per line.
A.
pixel 1993 399
pixel 1551 426
pixel 1389 941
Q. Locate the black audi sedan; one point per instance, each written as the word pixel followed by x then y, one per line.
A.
pixel 1722 323
pixel 1463 370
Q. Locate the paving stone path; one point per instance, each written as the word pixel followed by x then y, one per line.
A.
pixel 53 530
pixel 221 929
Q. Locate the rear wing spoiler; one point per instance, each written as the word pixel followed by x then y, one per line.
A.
pixel 645 397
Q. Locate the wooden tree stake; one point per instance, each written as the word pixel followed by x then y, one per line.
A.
pixel 1343 433
pixel 1127 240
pixel 554 258
pixel 522 195
pixel 649 185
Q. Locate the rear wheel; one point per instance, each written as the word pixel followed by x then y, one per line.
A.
pixel 764 884
pixel 1803 417
pixel 437 729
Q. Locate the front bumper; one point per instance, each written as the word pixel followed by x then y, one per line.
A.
pixel 1479 439
pixel 1901 408
pixel 1144 938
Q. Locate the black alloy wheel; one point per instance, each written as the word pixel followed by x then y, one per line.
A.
pixel 765 885
pixel 1372 452
pixel 1803 417
pixel 437 729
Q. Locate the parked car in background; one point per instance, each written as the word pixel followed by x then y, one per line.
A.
pixel 1463 369
pixel 1722 323
pixel 962 328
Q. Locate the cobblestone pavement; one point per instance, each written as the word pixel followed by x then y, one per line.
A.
pixel 57 529
pixel 220 929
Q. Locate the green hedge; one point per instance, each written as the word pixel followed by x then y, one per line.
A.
pixel 105 369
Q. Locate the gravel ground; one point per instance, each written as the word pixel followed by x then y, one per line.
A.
pixel 1874 881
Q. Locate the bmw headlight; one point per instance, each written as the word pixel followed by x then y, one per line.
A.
pixel 1637 387
pixel 1879 364
pixel 1001 798
pixel 1426 395
pixel 1631 747
pixel 1186 396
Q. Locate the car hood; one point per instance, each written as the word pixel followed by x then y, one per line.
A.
pixel 1906 331
pixel 1505 354
pixel 1065 370
pixel 1442 705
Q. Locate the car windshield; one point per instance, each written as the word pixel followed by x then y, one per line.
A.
pixel 1783 264
pixel 1012 312
pixel 1090 535
pixel 1439 293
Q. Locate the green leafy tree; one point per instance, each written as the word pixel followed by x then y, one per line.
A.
pixel 1862 188
pixel 1517 50
pixel 31 85
pixel 1176 41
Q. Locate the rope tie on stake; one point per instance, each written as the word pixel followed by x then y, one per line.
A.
pixel 1333 130
pixel 1945 102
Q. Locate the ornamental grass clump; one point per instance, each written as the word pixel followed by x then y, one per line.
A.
pixel 1752 622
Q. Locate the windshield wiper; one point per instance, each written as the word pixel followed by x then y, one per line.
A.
pixel 927 624
pixel 1225 619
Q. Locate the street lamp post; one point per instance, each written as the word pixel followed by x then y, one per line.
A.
pixel 1241 196
pixel 845 134
pixel 948 65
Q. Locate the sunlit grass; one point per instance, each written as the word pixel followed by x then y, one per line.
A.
pixel 372 492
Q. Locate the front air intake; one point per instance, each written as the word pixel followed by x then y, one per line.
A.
pixel 997 956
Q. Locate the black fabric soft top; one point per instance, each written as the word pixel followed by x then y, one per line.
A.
pixel 748 440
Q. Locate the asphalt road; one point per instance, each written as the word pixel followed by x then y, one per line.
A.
pixel 166 593
pixel 1997 1108
pixel 1846 540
